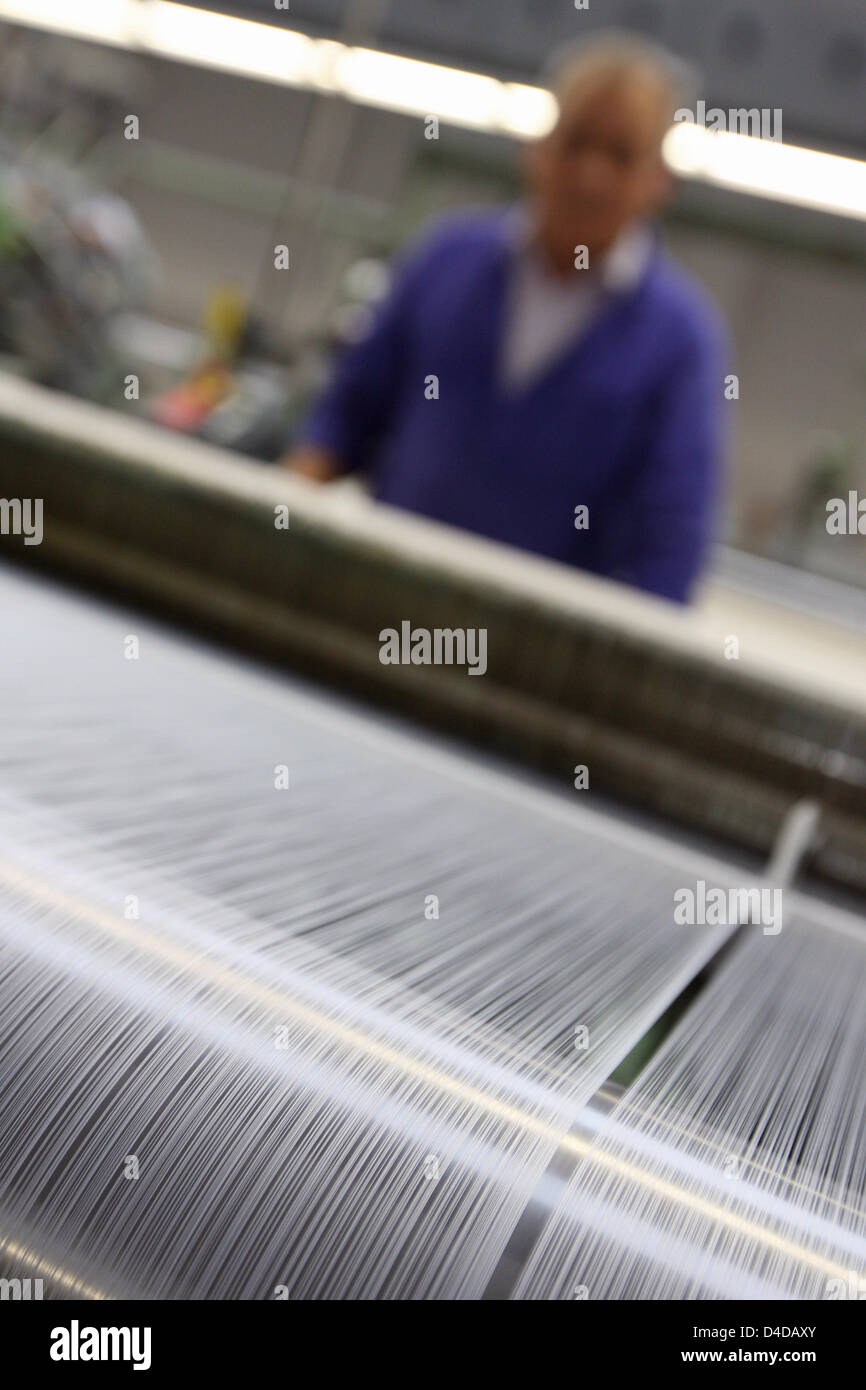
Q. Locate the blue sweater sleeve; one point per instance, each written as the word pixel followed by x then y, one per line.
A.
pixel 676 487
pixel 353 412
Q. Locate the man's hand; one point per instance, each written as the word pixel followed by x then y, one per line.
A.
pixel 309 461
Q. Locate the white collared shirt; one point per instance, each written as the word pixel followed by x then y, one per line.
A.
pixel 545 313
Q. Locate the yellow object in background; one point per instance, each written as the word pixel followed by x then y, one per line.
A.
pixel 225 320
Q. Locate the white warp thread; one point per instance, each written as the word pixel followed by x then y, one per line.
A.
pixel 735 1166
pixel 326 1092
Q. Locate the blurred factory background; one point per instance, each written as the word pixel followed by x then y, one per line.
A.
pixel 167 253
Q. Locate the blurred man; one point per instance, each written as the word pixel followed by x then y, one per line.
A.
pixel 545 375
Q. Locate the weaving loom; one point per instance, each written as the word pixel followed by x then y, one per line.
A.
pixel 298 1001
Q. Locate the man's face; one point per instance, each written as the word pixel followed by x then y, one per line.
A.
pixel 600 169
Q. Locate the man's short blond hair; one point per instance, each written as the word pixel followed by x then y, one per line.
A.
pixel 617 56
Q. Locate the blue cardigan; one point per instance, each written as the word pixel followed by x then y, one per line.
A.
pixel 626 421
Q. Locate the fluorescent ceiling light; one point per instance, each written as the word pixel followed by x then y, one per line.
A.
pixel 768 169
pixel 234 45
pixel 764 168
pixel 103 21
pixel 274 54
pixel 402 84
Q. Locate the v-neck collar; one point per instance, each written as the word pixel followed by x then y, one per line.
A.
pixel 610 303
